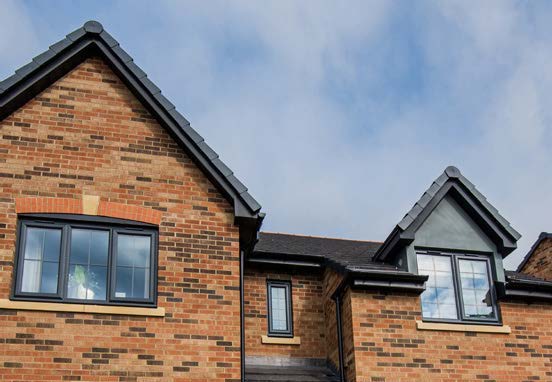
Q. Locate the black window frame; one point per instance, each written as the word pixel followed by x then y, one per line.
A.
pixel 66 222
pixel 289 308
pixel 457 283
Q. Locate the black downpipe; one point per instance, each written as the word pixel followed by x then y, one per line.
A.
pixel 339 338
pixel 242 318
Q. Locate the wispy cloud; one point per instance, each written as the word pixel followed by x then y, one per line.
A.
pixel 338 115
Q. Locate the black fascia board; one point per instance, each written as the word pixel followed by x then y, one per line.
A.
pixel 92 39
pixel 542 236
pixel 381 280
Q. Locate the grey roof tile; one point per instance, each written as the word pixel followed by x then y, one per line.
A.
pixel 61 45
pixel 120 52
pixel 348 253
pixel 26 69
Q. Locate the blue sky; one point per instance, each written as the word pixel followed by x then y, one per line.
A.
pixel 338 115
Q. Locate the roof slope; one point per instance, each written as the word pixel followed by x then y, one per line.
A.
pixel 452 181
pixel 91 39
pixel 348 253
pixel 542 236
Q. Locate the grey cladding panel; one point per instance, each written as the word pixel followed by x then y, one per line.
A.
pixel 449 226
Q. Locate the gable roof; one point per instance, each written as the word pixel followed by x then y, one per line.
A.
pixel 452 182
pixel 93 39
pixel 542 236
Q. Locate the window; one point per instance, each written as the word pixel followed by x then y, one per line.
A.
pixel 91 260
pixel 459 288
pixel 280 321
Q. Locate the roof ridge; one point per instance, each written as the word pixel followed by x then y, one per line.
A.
pixel 322 237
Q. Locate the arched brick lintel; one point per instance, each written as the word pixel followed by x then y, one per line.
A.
pixel 84 207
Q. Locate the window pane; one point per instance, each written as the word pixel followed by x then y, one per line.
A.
pixel 88 264
pixel 132 275
pixel 476 293
pixel 41 260
pixel 439 298
pixel 49 282
pixel 123 289
pixel 279 308
pixel 99 243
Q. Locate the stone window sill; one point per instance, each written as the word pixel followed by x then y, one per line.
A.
pixel 81 308
pixel 281 340
pixel 505 329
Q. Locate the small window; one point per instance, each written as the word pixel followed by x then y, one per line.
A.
pixel 85 261
pixel 459 288
pixel 280 321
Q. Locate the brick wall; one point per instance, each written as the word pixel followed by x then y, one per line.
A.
pixel 388 347
pixel 308 314
pixel 540 262
pixel 87 134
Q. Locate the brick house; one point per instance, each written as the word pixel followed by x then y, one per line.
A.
pixel 129 251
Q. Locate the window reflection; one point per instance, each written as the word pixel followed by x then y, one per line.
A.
pixel 88 264
pixel 41 260
pixel 439 298
pixel 476 293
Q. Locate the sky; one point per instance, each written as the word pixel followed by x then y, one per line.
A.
pixel 339 115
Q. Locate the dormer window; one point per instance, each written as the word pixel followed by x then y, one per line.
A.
pixel 459 287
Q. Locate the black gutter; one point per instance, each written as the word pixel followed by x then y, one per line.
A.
pixel 242 317
pixel 340 339
pixel 527 290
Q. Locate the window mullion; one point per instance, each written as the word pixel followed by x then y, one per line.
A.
pixel 457 287
pixel 64 261
pixel 110 271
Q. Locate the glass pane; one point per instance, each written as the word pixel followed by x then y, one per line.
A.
pixel 279 308
pixel 133 250
pixel 99 242
pixel 41 260
pixel 132 276
pixel 87 283
pixel 123 287
pixel 97 283
pixel 476 292
pixel 141 283
pixel 439 298
pixel 89 247
pixel 33 243
pixel 80 246
pixel 125 250
pixel 52 244
pixel 31 276
pixel 49 282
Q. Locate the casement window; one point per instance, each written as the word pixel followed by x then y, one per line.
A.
pixel 459 288
pixel 96 261
pixel 280 319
